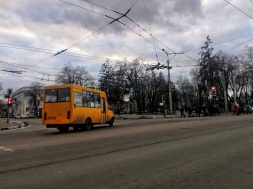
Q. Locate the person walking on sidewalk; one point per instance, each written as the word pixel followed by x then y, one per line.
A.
pixel 235 109
pixel 182 110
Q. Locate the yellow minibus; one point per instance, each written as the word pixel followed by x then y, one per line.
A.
pixel 70 105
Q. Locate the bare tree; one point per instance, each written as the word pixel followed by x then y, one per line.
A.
pixel 75 75
pixel 145 88
pixel 186 91
pixel 34 93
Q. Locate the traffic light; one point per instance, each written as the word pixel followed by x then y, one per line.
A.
pixel 9 101
pixel 213 93
pixel 213 89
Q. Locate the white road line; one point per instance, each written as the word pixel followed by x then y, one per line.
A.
pixel 8 149
pixel 5 149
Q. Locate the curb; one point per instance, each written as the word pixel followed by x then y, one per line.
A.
pixel 18 126
pixel 143 117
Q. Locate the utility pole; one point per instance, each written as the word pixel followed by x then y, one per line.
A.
pixel 169 83
pixel 163 101
pixel 233 81
pixel 224 91
pixel 224 87
pixel 224 83
pixel 158 66
pixel 9 102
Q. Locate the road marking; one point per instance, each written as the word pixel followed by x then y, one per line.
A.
pixel 5 149
pixel 8 149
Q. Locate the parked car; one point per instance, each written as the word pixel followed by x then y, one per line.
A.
pixel 247 109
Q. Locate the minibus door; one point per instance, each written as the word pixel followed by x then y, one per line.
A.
pixel 103 111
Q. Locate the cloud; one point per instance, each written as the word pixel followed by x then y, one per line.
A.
pixel 54 25
pixel 188 8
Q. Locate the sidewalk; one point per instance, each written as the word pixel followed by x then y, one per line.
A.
pixel 144 116
pixel 11 125
pixel 177 114
pixel 19 124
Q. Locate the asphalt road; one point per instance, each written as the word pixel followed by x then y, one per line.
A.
pixel 206 152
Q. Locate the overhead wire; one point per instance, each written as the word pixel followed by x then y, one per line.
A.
pixel 21 77
pixel 99 5
pixel 125 15
pixel 77 41
pixel 134 4
pixel 150 28
pixel 94 57
pixel 62 51
pixel 153 37
pixel 51 51
pixel 73 44
pixel 54 51
pixel 117 19
pixel 217 44
pixel 225 41
pixel 214 44
pixel 191 58
pixel 22 66
pixel 239 44
pixel 14 46
pixel 239 9
pixel 95 32
pixel 86 36
pixel 42 79
pixel 82 7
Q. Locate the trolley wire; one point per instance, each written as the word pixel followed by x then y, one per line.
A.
pixel 125 16
pixel 214 44
pixel 153 37
pixel 35 49
pixel 240 44
pixel 239 9
pixel 72 45
pixel 150 29
pixel 114 20
pixel 23 67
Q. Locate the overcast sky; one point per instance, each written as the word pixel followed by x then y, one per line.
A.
pixel 32 31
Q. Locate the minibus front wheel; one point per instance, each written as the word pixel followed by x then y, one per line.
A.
pixel 111 122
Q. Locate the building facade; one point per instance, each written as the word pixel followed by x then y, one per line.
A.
pixel 27 101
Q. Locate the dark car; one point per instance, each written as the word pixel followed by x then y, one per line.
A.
pixel 247 109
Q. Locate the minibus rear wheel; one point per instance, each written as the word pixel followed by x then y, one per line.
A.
pixel 88 124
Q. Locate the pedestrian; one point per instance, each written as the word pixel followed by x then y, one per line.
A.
pixel 182 111
pixel 235 109
pixel 190 111
pixel 204 110
pixel 217 110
